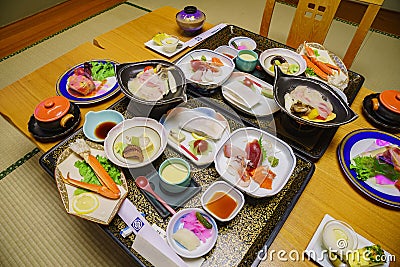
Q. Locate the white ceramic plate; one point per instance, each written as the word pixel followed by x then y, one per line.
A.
pixel 159 49
pixel 277 147
pixel 315 248
pixel 107 207
pixel 327 56
pixel 173 121
pixel 290 56
pixel 265 105
pixel 137 126
pixel 226 70
pixel 175 224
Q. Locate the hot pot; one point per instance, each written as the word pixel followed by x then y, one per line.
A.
pixel 53 113
pixel 387 105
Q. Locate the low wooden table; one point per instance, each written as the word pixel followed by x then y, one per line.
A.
pixel 328 192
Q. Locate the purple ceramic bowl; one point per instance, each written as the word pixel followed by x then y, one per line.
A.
pixel 190 19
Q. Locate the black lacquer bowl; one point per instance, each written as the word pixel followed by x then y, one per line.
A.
pixel 142 107
pixel 284 84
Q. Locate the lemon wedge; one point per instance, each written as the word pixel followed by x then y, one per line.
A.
pixel 159 37
pixel 85 203
pixel 198 137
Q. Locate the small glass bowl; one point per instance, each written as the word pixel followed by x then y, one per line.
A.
pixel 170 44
pixel 339 237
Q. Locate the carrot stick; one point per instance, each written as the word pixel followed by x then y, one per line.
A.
pixel 316 69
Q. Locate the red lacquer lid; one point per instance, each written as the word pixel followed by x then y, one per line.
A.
pixel 52 109
pixel 391 100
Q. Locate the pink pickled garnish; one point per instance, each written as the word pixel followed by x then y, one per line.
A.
pixel 191 223
pixel 383 180
pixel 380 142
pixel 242 47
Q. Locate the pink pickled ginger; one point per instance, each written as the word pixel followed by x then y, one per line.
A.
pixel 191 223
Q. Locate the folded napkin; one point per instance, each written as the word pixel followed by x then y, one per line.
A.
pixel 147 241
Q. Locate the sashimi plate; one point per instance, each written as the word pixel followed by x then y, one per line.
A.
pixel 107 208
pixel 177 117
pixel 357 142
pixel 273 146
pixel 264 106
pixel 175 224
pixel 211 81
pixel 123 132
pixel 326 56
pixel 104 89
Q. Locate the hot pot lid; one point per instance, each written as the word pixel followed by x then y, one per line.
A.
pixel 391 100
pixel 52 108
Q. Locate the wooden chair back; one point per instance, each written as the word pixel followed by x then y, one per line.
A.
pixel 313 19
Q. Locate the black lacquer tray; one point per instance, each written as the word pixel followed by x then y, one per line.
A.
pixel 239 240
pixel 309 141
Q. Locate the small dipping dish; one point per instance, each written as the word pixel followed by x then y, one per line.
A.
pixel 222 201
pixel 174 175
pixel 98 124
pixel 246 60
pixel 339 237
pixel 242 43
pixel 170 43
pixel 227 51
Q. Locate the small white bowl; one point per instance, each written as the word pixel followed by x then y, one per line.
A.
pixel 227 51
pixel 93 120
pixel 290 56
pixel 243 43
pixel 226 188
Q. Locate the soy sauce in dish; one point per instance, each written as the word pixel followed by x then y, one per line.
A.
pixel 103 128
pixel 221 204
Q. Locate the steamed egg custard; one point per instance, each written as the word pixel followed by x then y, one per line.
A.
pixel 309 104
pixel 174 173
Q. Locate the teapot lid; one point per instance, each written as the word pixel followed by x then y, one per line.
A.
pixel 190 13
pixel 52 108
pixel 391 100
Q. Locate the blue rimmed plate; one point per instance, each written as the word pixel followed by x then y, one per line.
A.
pixel 357 142
pixel 103 89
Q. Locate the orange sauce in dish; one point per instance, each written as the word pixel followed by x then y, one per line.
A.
pixel 103 128
pixel 221 204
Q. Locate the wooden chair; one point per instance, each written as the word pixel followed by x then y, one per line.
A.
pixel 313 19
